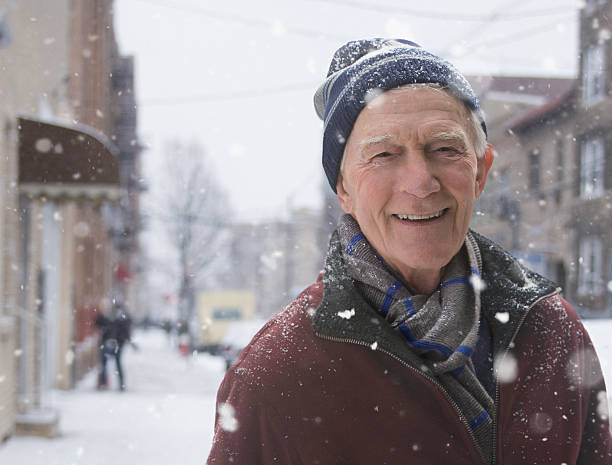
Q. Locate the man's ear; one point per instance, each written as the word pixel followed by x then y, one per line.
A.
pixel 482 169
pixel 344 197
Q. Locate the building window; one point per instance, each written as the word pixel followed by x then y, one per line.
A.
pixel 227 314
pixel 589 277
pixel 534 170
pixel 593 75
pixel 5 36
pixel 592 168
pixel 560 165
pixel 591 6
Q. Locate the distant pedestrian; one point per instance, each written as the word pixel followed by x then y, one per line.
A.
pixel 114 334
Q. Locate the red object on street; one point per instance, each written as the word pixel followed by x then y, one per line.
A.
pixel 184 344
pixel 122 274
pixel 184 349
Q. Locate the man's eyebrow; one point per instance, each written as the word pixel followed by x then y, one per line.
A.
pixel 449 136
pixel 375 140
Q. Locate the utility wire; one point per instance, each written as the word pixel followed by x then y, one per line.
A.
pixel 447 16
pixel 271 26
pixel 479 29
pixel 231 95
pixel 516 35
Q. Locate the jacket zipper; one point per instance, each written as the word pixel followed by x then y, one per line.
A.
pixel 429 378
pixel 441 388
pixel 518 327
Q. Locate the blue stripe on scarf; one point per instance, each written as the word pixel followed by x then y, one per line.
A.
pixel 457 371
pixel 351 247
pixel 465 350
pixel 409 306
pixel 423 344
pixel 389 297
pixel 479 420
pixel 454 281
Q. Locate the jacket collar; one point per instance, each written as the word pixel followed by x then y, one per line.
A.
pixel 511 290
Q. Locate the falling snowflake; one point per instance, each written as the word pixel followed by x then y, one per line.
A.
pixel 502 317
pixel 81 229
pixel 506 368
pixel 602 405
pixel 43 145
pixel 540 422
pixel 477 283
pixel 371 94
pixel 577 368
pixel 374 346
pixel 278 28
pixel 347 314
pixel 227 417
pixel 69 357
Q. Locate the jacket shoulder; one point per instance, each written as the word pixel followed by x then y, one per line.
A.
pixel 555 316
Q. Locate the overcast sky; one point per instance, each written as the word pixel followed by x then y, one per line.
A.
pixel 239 76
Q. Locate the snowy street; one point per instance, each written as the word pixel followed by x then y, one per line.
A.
pixel 165 416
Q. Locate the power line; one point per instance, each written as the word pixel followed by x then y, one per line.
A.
pixel 231 95
pixel 274 27
pixel 480 28
pixel 447 16
pixel 515 35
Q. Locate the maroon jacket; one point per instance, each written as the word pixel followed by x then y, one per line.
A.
pixel 315 388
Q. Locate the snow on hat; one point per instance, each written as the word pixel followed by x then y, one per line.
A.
pixel 362 69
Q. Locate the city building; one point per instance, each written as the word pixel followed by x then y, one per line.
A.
pixel 62 183
pixel 549 196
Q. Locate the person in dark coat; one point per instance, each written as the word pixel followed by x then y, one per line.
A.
pixel 114 334
pixel 422 342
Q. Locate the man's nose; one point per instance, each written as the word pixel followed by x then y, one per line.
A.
pixel 416 176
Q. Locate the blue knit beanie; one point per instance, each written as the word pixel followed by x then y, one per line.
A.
pixel 362 69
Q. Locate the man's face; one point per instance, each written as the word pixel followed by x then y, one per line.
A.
pixel 410 177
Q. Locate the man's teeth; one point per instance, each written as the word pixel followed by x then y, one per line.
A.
pixel 421 217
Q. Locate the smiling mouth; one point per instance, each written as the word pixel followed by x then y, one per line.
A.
pixel 421 218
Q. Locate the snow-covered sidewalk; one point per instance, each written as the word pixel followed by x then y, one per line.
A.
pixel 164 417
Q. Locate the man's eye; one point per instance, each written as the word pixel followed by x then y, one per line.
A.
pixel 448 150
pixel 382 155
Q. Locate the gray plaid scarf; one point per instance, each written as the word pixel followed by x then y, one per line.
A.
pixel 441 328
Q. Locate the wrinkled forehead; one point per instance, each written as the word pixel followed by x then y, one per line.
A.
pixel 367 135
pixel 389 108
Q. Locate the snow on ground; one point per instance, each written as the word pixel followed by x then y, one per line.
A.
pixel 164 417
pixel 600 332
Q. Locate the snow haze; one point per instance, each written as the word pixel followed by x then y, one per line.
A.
pixel 239 77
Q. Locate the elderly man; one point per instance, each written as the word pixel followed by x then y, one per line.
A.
pixel 422 342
